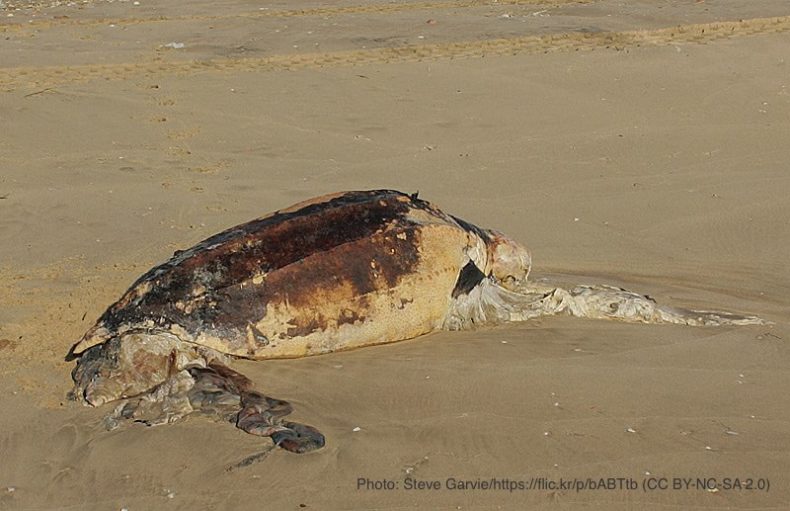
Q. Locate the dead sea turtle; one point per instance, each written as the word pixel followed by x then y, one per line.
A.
pixel 334 273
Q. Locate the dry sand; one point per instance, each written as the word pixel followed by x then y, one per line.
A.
pixel 619 146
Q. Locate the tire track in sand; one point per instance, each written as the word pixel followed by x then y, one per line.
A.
pixel 11 78
pixel 288 13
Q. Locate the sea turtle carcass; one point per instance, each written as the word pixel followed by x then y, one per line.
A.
pixel 334 273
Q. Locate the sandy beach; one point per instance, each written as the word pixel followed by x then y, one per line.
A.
pixel 640 144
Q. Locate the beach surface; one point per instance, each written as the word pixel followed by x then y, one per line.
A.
pixel 640 144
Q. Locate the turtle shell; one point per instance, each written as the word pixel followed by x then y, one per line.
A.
pixel 337 272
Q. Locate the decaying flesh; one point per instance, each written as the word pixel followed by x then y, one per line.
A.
pixel 337 272
pixel 167 379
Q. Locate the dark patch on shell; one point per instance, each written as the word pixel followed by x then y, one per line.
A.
pixel 307 326
pixel 403 302
pixel 259 337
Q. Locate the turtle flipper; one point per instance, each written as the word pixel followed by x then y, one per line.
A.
pixel 218 391
pixel 262 416
pixel 219 388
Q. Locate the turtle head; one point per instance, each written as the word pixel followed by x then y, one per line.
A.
pixel 509 261
pixel 125 366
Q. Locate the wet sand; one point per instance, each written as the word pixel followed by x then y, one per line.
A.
pixel 634 145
